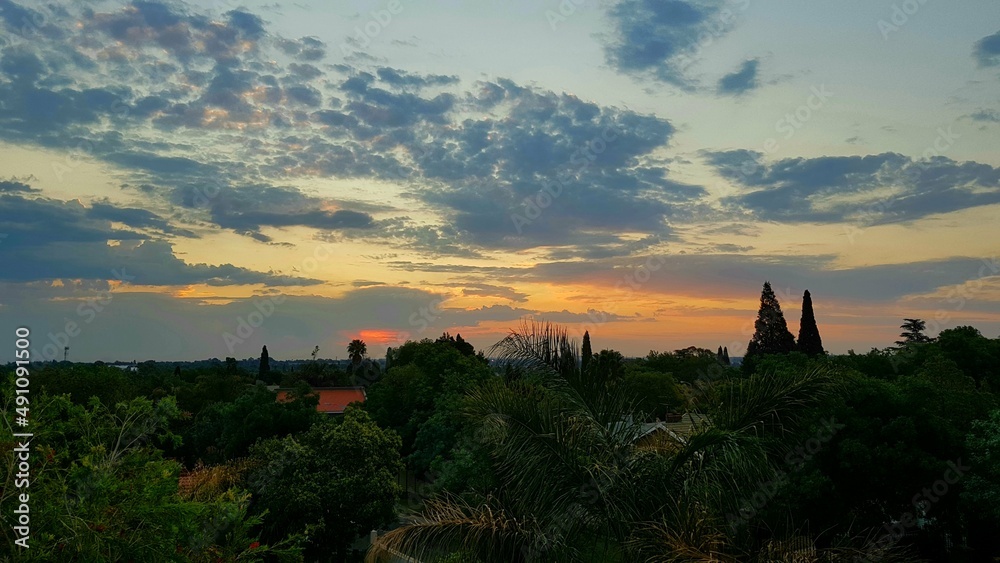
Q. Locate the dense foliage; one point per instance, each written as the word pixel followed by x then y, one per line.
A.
pixel 532 451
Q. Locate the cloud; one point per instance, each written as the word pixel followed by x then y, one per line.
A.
pixel 51 239
pixel 402 78
pixel 741 81
pixel 14 186
pixel 987 51
pixel 985 116
pixel 488 290
pixel 660 38
pixel 135 218
pixel 157 326
pixel 305 49
pixel 221 115
pixel 872 189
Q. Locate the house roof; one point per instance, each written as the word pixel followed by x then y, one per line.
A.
pixel 332 400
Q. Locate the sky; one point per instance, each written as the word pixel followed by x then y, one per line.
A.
pixel 193 180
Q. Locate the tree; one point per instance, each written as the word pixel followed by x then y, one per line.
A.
pixel 458 343
pixel 913 332
pixel 336 481
pixel 809 342
pixel 771 335
pixel 587 352
pixel 575 479
pixel 464 347
pixel 420 398
pixel 264 372
pixel 226 430
pixel 357 349
pixel 725 356
pixel 102 490
pixel 982 491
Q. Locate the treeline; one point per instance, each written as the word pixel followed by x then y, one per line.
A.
pixel 530 451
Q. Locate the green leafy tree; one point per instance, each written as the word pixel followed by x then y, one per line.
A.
pixel 575 481
pixel 982 486
pixel 336 482
pixel 420 398
pixel 771 335
pixel 657 392
pixel 458 343
pixel 809 342
pixel 226 430
pixel 101 490
pixel 688 365
pixel 977 356
pixel 913 332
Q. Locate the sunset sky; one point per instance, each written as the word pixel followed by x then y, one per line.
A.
pixel 185 181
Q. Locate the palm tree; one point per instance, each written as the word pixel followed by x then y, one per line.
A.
pixel 576 485
pixel 357 350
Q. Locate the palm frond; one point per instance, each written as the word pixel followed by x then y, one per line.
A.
pixel 449 525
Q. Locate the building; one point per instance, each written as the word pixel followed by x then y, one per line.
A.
pixel 332 400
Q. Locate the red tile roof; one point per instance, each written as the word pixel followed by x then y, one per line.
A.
pixel 332 400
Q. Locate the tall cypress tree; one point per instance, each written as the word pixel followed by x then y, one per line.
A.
pixel 725 356
pixel 771 335
pixel 587 353
pixel 264 371
pixel 809 339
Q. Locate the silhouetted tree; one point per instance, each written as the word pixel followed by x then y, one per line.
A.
pixel 357 350
pixel 264 371
pixel 771 335
pixel 464 347
pixel 725 356
pixel 458 343
pixel 587 353
pixel 809 339
pixel 720 357
pixel 913 332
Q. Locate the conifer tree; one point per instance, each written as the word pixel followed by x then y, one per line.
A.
pixel 718 355
pixel 771 335
pixel 264 371
pixel 809 339
pixel 587 353
pixel 725 356
pixel 913 332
